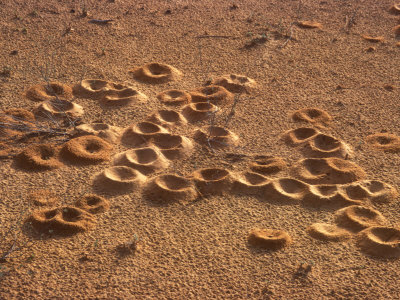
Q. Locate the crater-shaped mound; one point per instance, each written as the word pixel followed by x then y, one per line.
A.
pixel 169 188
pixel 331 170
pixel 216 137
pixel 174 97
pixel 120 179
pixel 312 115
pixel 173 146
pixel 126 96
pixel 107 132
pixel 93 204
pixel 40 157
pixel 379 191
pixel 195 112
pixel 66 220
pixel 323 145
pixel 214 94
pixel 235 83
pixel 267 165
pixel 139 134
pixel 354 194
pixel 286 190
pixel 156 73
pixel 49 91
pixel 20 114
pixel 271 239
pixel 384 141
pixel 87 149
pixel 380 241
pixel 213 181
pixel 250 183
pixel 356 217
pixel 309 24
pixel 299 136
pixel 42 197
pixel 167 118
pixel 322 195
pixel 146 160
pixel 58 108
pixel 328 232
pixel 92 88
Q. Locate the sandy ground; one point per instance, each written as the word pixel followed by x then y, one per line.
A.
pixel 200 250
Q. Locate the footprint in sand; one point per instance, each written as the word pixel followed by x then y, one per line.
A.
pixel 66 220
pixel 167 118
pixel 119 179
pixel 380 241
pixel 58 109
pixel 285 191
pixel 216 137
pixel 139 134
pixel 235 83
pixel 146 160
pixel 312 115
pixel 93 204
pixel 156 73
pixel 40 157
pixel 213 181
pixel 250 183
pixel 86 149
pixel 42 197
pixel 329 170
pixel 215 94
pixel 328 232
pixel 270 239
pixel 267 165
pixel 356 218
pixel 195 112
pixel 169 188
pixel 51 91
pixel 174 97
pixel 384 141
pixel 111 134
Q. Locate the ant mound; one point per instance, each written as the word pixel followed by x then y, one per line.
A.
pixel 235 83
pixel 286 191
pixel 156 73
pixel 168 188
pixel 384 141
pixel 354 194
pixel 195 112
pixel 267 165
pixel 331 170
pixel 309 24
pixel 323 145
pixel 373 39
pixel 87 149
pixel 95 88
pixel 93 204
pixel 174 97
pixel 356 217
pixel 216 137
pixel 119 179
pixel 213 181
pixel 58 108
pixel 65 220
pixel 126 96
pixel 379 191
pixel 323 195
pixel 42 197
pixel 396 30
pixel 167 118
pixel 312 115
pixel 395 9
pixel 328 232
pixel 250 183
pixel 39 157
pixel 20 114
pixel 299 136
pixel 13 128
pixel 173 146
pixel 139 134
pixel 380 241
pixel 214 94
pixel 107 132
pixel 146 160
pixel 270 239
pixel 50 91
